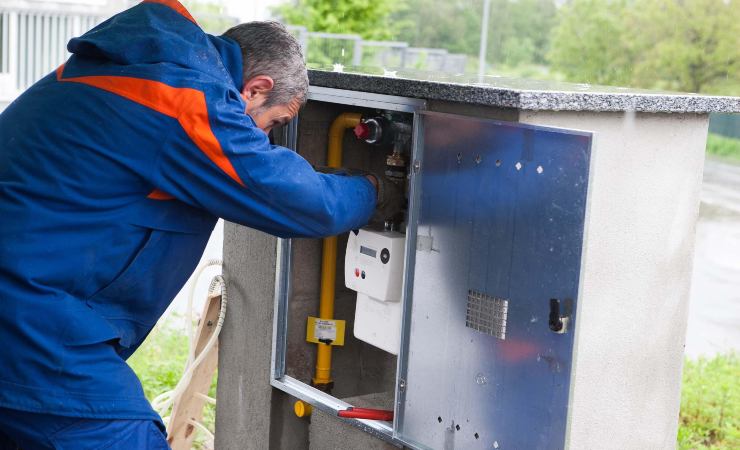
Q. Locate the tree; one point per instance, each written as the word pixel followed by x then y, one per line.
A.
pixel 591 42
pixel 521 31
pixel 450 24
pixel 688 45
pixel 669 44
pixel 369 19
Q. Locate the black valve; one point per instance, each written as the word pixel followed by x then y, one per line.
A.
pixel 559 315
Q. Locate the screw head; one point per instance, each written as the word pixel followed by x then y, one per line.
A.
pixel 401 385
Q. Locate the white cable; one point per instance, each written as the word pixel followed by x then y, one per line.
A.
pixel 163 402
pixel 191 295
pixel 188 375
pixel 206 398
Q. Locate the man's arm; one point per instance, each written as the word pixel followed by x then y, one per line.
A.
pixel 231 170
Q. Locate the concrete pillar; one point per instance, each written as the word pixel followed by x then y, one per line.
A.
pixel 250 414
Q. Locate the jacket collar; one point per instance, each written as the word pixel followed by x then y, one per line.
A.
pixel 231 57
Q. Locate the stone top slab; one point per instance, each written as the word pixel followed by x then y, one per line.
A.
pixel 523 94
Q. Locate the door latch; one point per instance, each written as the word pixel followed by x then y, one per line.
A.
pixel 560 313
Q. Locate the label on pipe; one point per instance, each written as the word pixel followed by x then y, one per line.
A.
pixel 325 331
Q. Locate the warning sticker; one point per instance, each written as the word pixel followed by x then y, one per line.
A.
pixel 325 331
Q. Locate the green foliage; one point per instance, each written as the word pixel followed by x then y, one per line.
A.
pixel 678 45
pixel 160 360
pixel 518 30
pixel 369 19
pixel 710 404
pixel 723 147
pixel 667 44
pixel 591 43
pixel 688 45
pixel 452 24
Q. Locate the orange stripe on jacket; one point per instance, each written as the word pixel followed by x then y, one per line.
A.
pixel 187 105
pixel 159 195
pixel 177 6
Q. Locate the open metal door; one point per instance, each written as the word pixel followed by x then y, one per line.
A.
pixel 488 337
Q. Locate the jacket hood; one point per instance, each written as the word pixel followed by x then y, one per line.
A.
pixel 153 33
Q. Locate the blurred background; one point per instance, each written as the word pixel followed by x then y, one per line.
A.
pixel 677 45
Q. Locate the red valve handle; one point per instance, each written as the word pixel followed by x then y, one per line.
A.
pixel 362 131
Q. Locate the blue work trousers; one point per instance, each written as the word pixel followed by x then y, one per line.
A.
pixel 21 430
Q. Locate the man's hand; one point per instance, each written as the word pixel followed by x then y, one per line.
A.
pixel 390 192
pixel 391 199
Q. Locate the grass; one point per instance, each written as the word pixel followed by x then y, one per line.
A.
pixel 159 364
pixel 710 403
pixel 723 147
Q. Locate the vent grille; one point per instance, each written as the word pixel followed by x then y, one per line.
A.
pixel 487 314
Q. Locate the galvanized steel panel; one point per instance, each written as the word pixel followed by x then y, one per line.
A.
pixel 501 219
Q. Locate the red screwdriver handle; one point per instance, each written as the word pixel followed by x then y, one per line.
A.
pixel 366 413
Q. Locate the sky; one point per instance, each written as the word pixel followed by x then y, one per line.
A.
pixel 247 10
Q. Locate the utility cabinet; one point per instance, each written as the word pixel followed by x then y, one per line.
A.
pixel 494 237
pixel 546 266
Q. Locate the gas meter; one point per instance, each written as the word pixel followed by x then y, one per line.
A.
pixel 373 267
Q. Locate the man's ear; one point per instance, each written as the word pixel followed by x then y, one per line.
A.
pixel 256 87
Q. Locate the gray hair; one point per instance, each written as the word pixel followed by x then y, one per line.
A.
pixel 269 49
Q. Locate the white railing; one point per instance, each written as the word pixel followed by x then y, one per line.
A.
pixel 33 43
pixel 33 40
pixel 325 49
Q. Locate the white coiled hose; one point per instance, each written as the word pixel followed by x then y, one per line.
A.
pixel 163 402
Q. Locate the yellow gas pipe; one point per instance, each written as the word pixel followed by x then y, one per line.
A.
pixel 322 377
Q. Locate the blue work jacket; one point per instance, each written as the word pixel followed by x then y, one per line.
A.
pixel 113 171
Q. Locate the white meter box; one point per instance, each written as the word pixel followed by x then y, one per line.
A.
pixel 373 266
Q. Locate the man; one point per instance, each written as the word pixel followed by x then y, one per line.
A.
pixel 113 171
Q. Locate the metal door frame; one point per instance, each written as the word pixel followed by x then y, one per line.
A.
pixel 278 378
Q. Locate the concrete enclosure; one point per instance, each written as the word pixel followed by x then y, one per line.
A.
pixel 641 210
